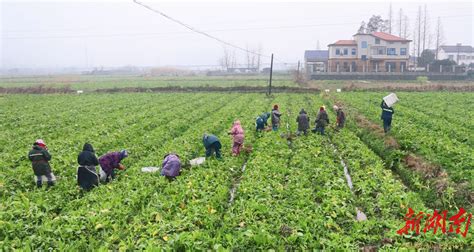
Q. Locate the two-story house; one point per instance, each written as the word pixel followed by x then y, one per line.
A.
pixel 374 52
pixel 461 54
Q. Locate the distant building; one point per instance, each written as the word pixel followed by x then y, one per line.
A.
pixel 242 70
pixel 316 61
pixel 374 52
pixel 461 54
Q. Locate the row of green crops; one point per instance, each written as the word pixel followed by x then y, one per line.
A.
pixel 436 127
pixel 292 194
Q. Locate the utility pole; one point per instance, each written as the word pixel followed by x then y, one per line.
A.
pixel 298 68
pixel 271 72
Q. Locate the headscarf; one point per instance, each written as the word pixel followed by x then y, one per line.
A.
pixel 88 147
pixel 123 154
pixel 171 153
pixel 335 107
pixel 321 108
pixel 236 122
pixel 40 143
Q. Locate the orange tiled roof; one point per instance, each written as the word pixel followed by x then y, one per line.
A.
pixel 345 43
pixel 388 37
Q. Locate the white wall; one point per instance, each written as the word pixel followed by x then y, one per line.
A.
pixel 371 43
pixel 332 52
pixel 466 58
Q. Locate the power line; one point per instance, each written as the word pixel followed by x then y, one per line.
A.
pixel 200 32
pixel 215 30
pixel 220 23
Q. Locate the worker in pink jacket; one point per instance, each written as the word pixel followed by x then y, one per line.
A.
pixel 238 137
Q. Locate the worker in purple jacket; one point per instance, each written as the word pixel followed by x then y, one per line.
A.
pixel 171 166
pixel 109 162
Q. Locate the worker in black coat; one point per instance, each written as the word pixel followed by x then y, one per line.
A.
pixel 87 177
pixel 386 116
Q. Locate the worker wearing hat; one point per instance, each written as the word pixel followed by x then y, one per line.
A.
pixel 40 157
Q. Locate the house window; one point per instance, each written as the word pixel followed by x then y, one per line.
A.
pixel 346 51
pixel 353 51
pixel 403 51
pixel 390 43
pixel 338 51
pixel 364 44
pixel 451 57
pixel 391 51
pixel 377 41
pixel 364 57
pixel 381 51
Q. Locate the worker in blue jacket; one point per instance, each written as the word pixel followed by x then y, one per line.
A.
pixel 387 113
pixel 261 121
pixel 212 143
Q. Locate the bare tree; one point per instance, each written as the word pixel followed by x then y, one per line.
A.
pixel 429 40
pixel 224 61
pixel 233 59
pixel 439 37
pixel 419 31
pixel 362 28
pixel 400 22
pixel 414 51
pixel 425 28
pixel 251 57
pixel 406 27
pixel 228 59
pixel 389 25
pixel 259 56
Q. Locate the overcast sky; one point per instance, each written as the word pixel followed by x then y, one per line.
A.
pixel 118 33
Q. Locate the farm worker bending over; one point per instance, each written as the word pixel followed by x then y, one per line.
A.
pixel 171 166
pixel 322 120
pixel 275 117
pixel 387 113
pixel 303 122
pixel 261 121
pixel 340 117
pixel 238 137
pixel 109 162
pixel 87 176
pixel 211 143
pixel 39 157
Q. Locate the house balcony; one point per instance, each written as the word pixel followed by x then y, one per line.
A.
pixel 388 57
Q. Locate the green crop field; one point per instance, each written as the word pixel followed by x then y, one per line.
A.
pixel 292 195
